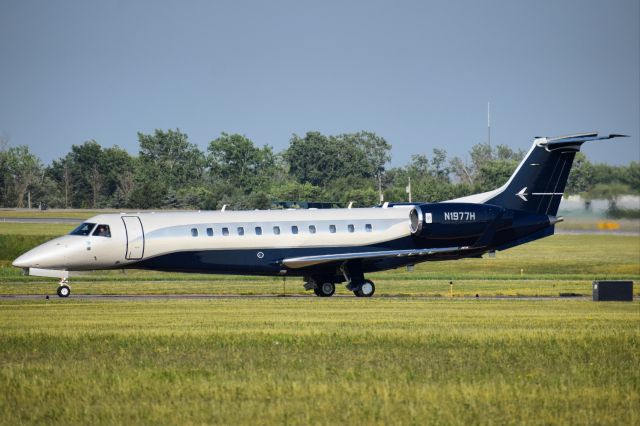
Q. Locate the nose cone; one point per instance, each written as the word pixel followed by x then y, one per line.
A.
pixel 34 258
pixel 23 261
pixel 47 255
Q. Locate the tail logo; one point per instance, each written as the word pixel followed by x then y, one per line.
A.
pixel 523 193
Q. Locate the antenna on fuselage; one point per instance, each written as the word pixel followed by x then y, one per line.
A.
pixel 350 204
pixel 224 207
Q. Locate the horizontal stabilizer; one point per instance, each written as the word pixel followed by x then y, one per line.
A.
pixel 573 140
pixel 304 261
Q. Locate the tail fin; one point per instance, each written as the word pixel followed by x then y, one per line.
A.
pixel 538 183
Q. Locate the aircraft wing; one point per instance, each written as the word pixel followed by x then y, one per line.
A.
pixel 304 261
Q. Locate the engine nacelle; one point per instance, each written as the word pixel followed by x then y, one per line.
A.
pixel 461 222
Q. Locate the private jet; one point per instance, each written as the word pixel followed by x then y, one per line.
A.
pixel 324 246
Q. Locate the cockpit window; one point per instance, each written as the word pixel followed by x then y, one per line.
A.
pixel 102 231
pixel 84 229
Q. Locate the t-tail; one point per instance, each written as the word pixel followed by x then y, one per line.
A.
pixel 537 185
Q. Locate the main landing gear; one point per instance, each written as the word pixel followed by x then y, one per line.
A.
pixel 327 287
pixel 366 289
pixel 63 289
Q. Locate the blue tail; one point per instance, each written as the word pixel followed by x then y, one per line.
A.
pixel 537 185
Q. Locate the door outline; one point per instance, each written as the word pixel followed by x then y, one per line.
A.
pixel 127 255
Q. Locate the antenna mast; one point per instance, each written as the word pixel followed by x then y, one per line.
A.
pixel 489 123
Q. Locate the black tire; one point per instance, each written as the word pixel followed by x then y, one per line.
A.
pixel 366 290
pixel 63 291
pixel 326 289
pixel 316 291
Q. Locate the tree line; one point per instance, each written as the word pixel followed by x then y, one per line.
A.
pixel 170 172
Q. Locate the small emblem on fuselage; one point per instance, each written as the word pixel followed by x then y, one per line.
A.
pixel 260 255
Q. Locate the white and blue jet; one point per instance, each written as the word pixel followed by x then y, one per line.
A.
pixel 325 246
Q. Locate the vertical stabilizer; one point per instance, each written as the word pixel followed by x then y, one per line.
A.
pixel 537 185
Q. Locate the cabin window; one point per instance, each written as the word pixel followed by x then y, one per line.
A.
pixel 276 230
pixel 351 228
pixel 194 232
pixel 368 227
pixel 210 232
pixel 225 232
pixel 294 229
pixel 83 229
pixel 258 230
pixel 332 229
pixel 102 231
pixel 240 230
pixel 312 229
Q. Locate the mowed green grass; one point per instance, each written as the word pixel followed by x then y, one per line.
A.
pixel 79 214
pixel 319 361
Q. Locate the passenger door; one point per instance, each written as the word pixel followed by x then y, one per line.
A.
pixel 135 237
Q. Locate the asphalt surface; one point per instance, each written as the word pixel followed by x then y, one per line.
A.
pixel 135 297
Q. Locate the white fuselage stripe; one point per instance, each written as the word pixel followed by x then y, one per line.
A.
pixel 166 233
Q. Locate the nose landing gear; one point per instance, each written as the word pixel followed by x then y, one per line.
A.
pixel 63 289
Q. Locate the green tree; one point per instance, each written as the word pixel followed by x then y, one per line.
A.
pixel 581 175
pixel 60 173
pixel 88 175
pixel 117 167
pixel 489 167
pixel 439 169
pixel 23 171
pixel 633 179
pixel 315 159
pixel 296 191
pixel 371 153
pixel 495 170
pixel 319 160
pixel 235 159
pixel 167 162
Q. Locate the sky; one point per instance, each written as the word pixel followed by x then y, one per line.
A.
pixel 418 73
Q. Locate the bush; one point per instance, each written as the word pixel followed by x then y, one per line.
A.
pixel 618 213
pixel 12 246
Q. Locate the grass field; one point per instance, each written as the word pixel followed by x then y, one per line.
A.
pixel 80 214
pixel 279 360
pixel 316 361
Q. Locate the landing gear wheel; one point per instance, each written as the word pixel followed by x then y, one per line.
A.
pixel 325 289
pixel 366 290
pixel 64 291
